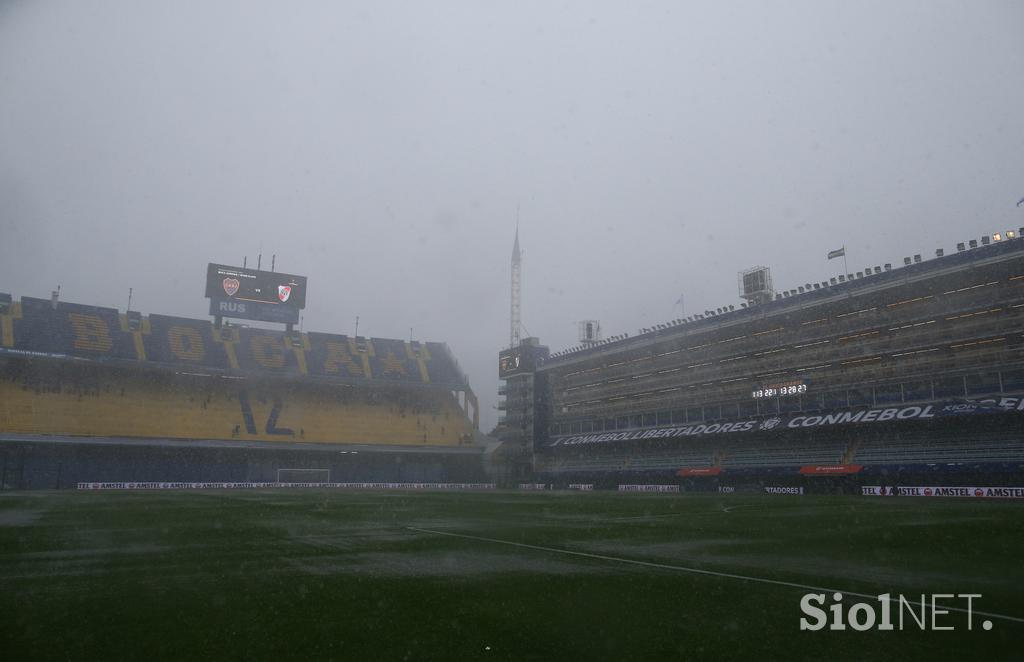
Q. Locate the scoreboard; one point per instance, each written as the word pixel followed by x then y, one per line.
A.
pixel 266 296
pixel 513 362
pixel 520 360
pixel 270 287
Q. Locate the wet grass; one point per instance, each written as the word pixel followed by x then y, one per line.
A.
pixel 317 574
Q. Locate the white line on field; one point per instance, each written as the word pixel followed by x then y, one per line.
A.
pixel 696 571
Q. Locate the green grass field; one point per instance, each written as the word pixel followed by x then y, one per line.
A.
pixel 331 574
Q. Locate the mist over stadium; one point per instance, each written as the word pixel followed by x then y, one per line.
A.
pixel 523 331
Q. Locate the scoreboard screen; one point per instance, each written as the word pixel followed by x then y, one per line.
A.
pixel 267 296
pixel 520 360
pixel 511 362
pixel 516 361
pixel 270 287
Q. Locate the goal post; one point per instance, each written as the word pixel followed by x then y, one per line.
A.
pixel 303 475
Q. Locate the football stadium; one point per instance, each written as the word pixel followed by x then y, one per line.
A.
pixel 884 378
pixel 751 386
pixel 252 492
pixel 91 394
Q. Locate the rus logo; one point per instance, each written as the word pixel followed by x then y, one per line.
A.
pixel 231 286
pixel 232 307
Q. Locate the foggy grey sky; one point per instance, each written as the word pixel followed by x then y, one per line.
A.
pixel 381 149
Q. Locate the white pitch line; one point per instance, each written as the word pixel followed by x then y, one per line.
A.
pixel 696 571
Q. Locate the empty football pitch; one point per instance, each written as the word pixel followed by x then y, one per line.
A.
pixel 498 575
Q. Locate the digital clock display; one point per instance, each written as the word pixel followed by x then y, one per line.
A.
pixel 779 390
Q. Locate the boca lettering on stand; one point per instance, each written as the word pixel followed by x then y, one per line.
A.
pixel 186 343
pixel 90 332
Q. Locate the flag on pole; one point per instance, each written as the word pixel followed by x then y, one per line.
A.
pixel 839 252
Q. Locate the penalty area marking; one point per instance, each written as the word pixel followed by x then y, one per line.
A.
pixel 695 571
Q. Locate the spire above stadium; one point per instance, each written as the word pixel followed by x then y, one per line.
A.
pixel 516 302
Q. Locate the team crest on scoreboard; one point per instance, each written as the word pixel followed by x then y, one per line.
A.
pixel 231 286
pixel 283 292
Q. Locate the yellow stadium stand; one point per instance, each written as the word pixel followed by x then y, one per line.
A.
pixel 58 398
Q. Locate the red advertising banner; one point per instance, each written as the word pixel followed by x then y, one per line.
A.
pixel 700 471
pixel 831 469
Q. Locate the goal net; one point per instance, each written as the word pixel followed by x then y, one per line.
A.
pixel 303 475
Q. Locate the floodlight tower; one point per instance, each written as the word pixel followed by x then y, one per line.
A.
pixel 517 280
pixel 755 285
pixel 590 333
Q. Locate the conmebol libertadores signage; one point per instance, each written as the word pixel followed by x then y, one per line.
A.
pixel 846 417
pixel 784 489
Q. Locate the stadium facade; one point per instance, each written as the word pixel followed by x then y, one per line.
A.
pixel 92 394
pixel 882 375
